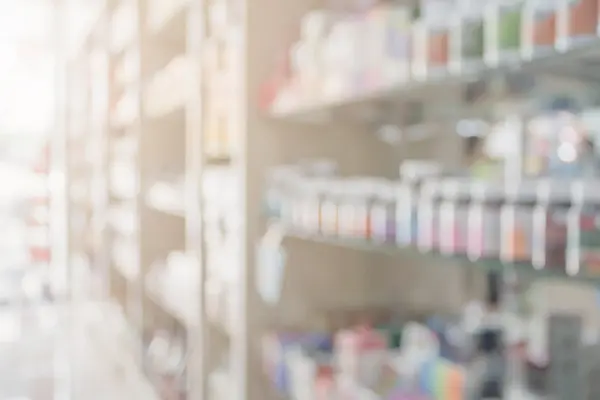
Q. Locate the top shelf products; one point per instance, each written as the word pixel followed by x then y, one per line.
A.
pixel 341 57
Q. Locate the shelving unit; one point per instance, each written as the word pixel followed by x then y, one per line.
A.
pixel 183 153
pixel 152 172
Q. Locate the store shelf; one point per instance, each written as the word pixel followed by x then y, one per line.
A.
pixel 186 151
pixel 573 61
pixel 524 269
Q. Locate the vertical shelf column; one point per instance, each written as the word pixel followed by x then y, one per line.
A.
pixel 102 198
pixel 263 25
pixel 59 173
pixel 198 371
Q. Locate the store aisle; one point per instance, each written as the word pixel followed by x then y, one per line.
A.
pixel 67 353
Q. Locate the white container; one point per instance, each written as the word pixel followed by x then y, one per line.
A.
pixel 303 371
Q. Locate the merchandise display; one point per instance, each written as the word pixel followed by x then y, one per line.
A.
pixel 529 224
pixel 163 184
pixel 539 18
pixel 429 41
pixel 435 358
pixel 213 114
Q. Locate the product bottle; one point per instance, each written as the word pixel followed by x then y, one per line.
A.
pixel 330 209
pixel 383 213
pixel 577 22
pixel 517 223
pixel 550 225
pixel 539 28
pixel 484 222
pixel 396 65
pixel 346 209
pixel 583 250
pixel 503 31
pixel 431 39
pixel 412 176
pixel 311 206
pixel 364 195
pixel 488 368
pixel 568 142
pixel 406 214
pixel 454 216
pixel 467 38
pixel 298 203
pixel 428 216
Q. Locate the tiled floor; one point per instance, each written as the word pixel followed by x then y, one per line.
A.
pixel 67 353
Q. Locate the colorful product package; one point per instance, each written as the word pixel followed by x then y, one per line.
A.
pixel 539 28
pixel 577 22
pixel 383 213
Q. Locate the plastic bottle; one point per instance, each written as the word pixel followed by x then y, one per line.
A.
pixel 311 206
pixel 364 190
pixel 454 216
pixel 297 204
pixel 346 212
pixel 406 213
pixel 428 216
pixel 383 213
pixel 550 225
pixel 353 211
pixel 539 28
pixel 488 369
pixel 412 175
pixel 396 65
pixel 503 31
pixel 485 222
pixel 583 250
pixel 577 22
pixel 565 159
pixel 468 39
pixel 517 223
pixel 330 208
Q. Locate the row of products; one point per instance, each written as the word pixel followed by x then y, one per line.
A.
pixel 438 359
pixel 549 224
pixel 556 143
pixel 343 52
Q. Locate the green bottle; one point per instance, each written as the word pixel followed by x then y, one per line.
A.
pixel 509 27
pixel 472 39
